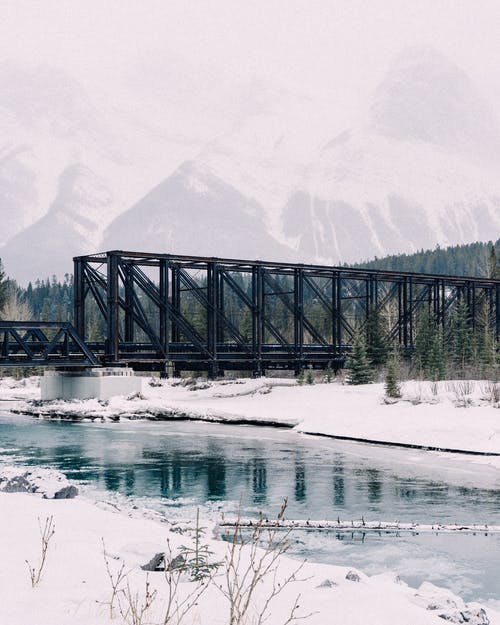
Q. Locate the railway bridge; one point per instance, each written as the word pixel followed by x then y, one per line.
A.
pixel 169 313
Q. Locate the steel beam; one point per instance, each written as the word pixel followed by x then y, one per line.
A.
pixel 156 309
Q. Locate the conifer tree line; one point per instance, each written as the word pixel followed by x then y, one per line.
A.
pixel 472 259
pixel 456 350
pixel 450 349
pixel 43 300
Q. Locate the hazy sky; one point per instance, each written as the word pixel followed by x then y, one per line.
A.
pixel 320 45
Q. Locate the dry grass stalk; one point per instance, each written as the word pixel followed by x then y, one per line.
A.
pixel 46 535
pixel 116 580
pixel 135 606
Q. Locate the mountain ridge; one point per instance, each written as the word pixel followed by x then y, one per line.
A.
pixel 418 170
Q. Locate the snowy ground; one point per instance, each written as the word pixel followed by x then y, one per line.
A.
pixel 75 587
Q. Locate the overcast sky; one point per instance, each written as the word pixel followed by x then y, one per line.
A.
pixel 318 45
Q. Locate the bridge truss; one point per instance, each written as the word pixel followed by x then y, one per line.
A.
pixel 153 311
pixel 42 344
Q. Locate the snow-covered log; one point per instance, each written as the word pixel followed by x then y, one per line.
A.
pixel 360 525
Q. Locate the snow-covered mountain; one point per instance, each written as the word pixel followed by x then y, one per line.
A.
pixel 278 181
pixel 418 170
pixel 228 200
pixel 68 167
pixel 195 212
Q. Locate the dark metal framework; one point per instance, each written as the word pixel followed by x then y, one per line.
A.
pixel 161 311
pixel 42 343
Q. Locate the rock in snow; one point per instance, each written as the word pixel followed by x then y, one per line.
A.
pixel 46 482
pixel 449 607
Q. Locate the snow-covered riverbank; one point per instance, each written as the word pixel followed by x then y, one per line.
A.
pixel 75 588
pixel 458 416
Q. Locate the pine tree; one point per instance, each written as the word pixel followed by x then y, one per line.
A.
pixel 392 388
pixel 487 358
pixel 461 338
pixel 358 367
pixel 309 377
pixel 493 264
pixel 377 346
pixel 3 289
pixel 328 377
pixel 436 368
pixel 424 339
pixel 484 340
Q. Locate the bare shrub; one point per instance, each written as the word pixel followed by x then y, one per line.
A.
pixel 462 390
pixel 434 388
pixel 251 560
pixel 495 392
pixel 135 606
pixel 169 603
pixel 416 396
pixel 116 579
pixel 46 534
pixel 491 392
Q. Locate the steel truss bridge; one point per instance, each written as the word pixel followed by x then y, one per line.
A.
pixel 169 313
pixel 164 312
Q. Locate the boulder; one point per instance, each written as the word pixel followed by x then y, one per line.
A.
pixel 49 483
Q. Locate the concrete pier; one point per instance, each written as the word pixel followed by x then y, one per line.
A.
pixel 97 383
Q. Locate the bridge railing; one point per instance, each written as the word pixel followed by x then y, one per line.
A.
pixel 43 343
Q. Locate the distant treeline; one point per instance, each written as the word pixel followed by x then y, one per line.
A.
pixel 52 298
pixel 457 260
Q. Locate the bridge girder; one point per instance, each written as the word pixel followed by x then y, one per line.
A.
pixel 214 314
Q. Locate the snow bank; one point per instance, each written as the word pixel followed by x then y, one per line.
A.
pixel 75 588
pixel 12 389
pixel 457 416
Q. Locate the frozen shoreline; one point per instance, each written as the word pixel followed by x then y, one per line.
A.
pixel 447 416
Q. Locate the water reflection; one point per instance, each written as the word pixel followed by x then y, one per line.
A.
pixel 338 485
pixel 259 480
pixel 374 485
pixel 112 479
pixel 230 464
pixel 189 464
pixel 300 481
pixel 216 477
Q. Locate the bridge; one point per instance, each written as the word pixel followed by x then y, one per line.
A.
pixel 169 313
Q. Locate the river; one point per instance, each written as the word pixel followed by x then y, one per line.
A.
pixel 176 467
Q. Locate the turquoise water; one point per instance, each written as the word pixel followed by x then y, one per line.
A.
pixel 177 466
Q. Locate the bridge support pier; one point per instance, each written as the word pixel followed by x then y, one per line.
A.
pixel 89 384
